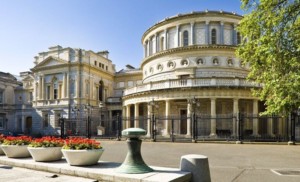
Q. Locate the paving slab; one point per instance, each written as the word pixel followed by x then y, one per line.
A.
pixel 103 171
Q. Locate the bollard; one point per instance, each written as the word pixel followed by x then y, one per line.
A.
pixel 134 163
pixel 197 165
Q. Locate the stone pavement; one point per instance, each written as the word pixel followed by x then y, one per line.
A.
pixel 103 171
pixel 228 162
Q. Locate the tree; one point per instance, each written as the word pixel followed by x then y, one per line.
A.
pixel 271 45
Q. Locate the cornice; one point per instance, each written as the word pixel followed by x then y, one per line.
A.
pixel 186 49
pixel 191 15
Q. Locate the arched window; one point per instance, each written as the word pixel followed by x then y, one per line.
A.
pixel 100 91
pixel 213 36
pixel 161 43
pixel 185 38
pixel 238 38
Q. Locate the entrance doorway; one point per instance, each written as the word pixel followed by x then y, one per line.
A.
pixel 183 121
pixel 28 126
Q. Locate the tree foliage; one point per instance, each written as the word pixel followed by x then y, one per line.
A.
pixel 271 44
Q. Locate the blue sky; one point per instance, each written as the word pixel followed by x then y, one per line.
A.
pixel 28 27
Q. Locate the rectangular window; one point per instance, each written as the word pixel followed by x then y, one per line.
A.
pixel 72 89
pixel 1 122
pixel 30 96
pixel 102 66
pixel 87 88
pixel 121 84
pixel 48 92
pixel 55 91
pixel 60 91
pixel 46 120
pixel 57 116
pixel 106 68
pixel 130 83
pixel 95 62
pixel 1 97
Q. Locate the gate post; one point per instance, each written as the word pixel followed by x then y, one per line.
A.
pixel 292 122
pixel 153 128
pixel 240 128
pixel 118 128
pixel 194 127
pixel 88 133
pixel 172 132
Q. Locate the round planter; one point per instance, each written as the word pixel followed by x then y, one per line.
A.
pixel 82 157
pixel 1 151
pixel 15 151
pixel 45 154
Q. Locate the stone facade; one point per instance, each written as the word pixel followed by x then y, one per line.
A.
pixel 187 58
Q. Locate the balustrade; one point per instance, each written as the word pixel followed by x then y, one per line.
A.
pixel 198 82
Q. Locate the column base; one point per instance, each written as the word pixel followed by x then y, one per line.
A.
pixel 213 135
pixel 238 142
pixel 291 143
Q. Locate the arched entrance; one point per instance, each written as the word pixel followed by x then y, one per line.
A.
pixel 28 125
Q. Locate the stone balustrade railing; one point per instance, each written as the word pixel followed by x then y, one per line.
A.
pixel 199 82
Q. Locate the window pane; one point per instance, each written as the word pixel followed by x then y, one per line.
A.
pixel 185 38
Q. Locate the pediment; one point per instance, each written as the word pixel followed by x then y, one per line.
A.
pixel 28 78
pixel 51 61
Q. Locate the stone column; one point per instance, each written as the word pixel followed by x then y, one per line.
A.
pixel 68 86
pixel 136 115
pixel 128 116
pixel 148 47
pixel 192 34
pixel 207 32
pixel 149 110
pixel 64 84
pixel 145 50
pixel 235 113
pixel 23 124
pixel 165 40
pixel 270 126
pixel 155 38
pixel 167 122
pixel 189 118
pixel 124 117
pixel 178 36
pixel 43 88
pixel 213 126
pixel 255 117
pixel 221 32
pixel 234 35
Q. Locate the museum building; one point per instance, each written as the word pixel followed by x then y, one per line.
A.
pixel 189 67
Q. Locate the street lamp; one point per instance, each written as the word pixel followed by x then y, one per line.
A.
pixel 153 104
pixel 195 103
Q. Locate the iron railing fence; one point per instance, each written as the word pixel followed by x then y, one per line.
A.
pixel 196 127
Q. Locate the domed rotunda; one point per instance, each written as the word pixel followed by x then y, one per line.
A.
pixel 190 67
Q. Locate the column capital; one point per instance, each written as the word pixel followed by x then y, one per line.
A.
pixel 192 23
pixel 207 22
pixel 221 23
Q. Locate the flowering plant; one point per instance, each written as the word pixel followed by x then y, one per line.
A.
pixel 81 144
pixel 21 140
pixel 2 137
pixel 47 141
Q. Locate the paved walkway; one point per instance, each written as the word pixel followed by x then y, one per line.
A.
pixel 228 162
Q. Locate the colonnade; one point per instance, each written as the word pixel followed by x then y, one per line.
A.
pixel 160 41
pixel 189 107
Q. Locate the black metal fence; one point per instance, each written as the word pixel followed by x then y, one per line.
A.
pixel 197 127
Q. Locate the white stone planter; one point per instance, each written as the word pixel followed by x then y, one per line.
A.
pixel 15 151
pixel 82 157
pixel 45 154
